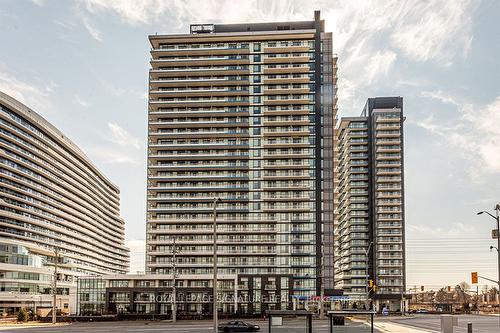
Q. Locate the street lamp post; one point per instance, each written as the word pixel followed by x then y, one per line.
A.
pixel 497 219
pixel 54 289
pixel 321 290
pixel 174 284
pixel 367 251
pixel 216 201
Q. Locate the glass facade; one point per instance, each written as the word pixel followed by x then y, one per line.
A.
pixel 23 281
pixel 91 296
pixel 26 281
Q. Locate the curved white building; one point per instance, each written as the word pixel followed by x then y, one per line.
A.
pixel 52 196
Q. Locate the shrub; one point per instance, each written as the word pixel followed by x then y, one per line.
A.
pixel 22 315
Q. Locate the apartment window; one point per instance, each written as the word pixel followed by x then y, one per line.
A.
pixel 118 283
pixel 144 283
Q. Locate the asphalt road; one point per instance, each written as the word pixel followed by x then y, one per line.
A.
pixel 480 324
pixel 201 326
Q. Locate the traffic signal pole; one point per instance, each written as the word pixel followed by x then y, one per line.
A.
pixel 497 220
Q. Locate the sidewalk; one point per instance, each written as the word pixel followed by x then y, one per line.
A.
pixel 8 326
pixel 390 327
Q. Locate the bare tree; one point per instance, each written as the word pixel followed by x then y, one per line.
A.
pixel 464 286
pixel 462 296
pixel 441 296
pixel 493 294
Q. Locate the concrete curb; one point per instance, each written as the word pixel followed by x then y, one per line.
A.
pixel 391 327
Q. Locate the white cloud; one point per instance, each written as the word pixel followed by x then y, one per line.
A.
pixel 64 25
pixel 121 137
pixel 429 124
pixel 118 91
pixel 119 152
pixel 482 134
pixel 80 101
pixel 360 68
pixel 423 30
pixel 440 95
pixel 110 155
pixel 474 133
pixel 35 96
pixel 92 30
pixel 435 29
pixel 185 12
pixel 454 230
pixel 367 63
pixel 40 3
pixel 131 11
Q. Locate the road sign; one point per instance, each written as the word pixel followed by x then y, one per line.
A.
pixel 494 233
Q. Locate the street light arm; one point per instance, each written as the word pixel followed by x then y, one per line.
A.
pixel 494 217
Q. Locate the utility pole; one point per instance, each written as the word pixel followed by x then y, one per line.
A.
pixel 322 290
pixel 402 305
pixel 216 201
pixel 497 219
pixel 54 288
pixel 174 284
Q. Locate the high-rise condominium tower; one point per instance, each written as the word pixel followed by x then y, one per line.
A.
pixel 244 113
pixel 52 198
pixel 370 198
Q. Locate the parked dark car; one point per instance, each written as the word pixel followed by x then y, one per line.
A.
pixel 238 326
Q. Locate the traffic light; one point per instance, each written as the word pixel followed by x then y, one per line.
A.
pixel 370 283
pixel 421 288
pixel 449 288
pixel 474 277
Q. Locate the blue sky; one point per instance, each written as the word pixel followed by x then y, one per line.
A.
pixel 83 65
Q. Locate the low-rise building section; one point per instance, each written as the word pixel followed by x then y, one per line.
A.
pixel 152 294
